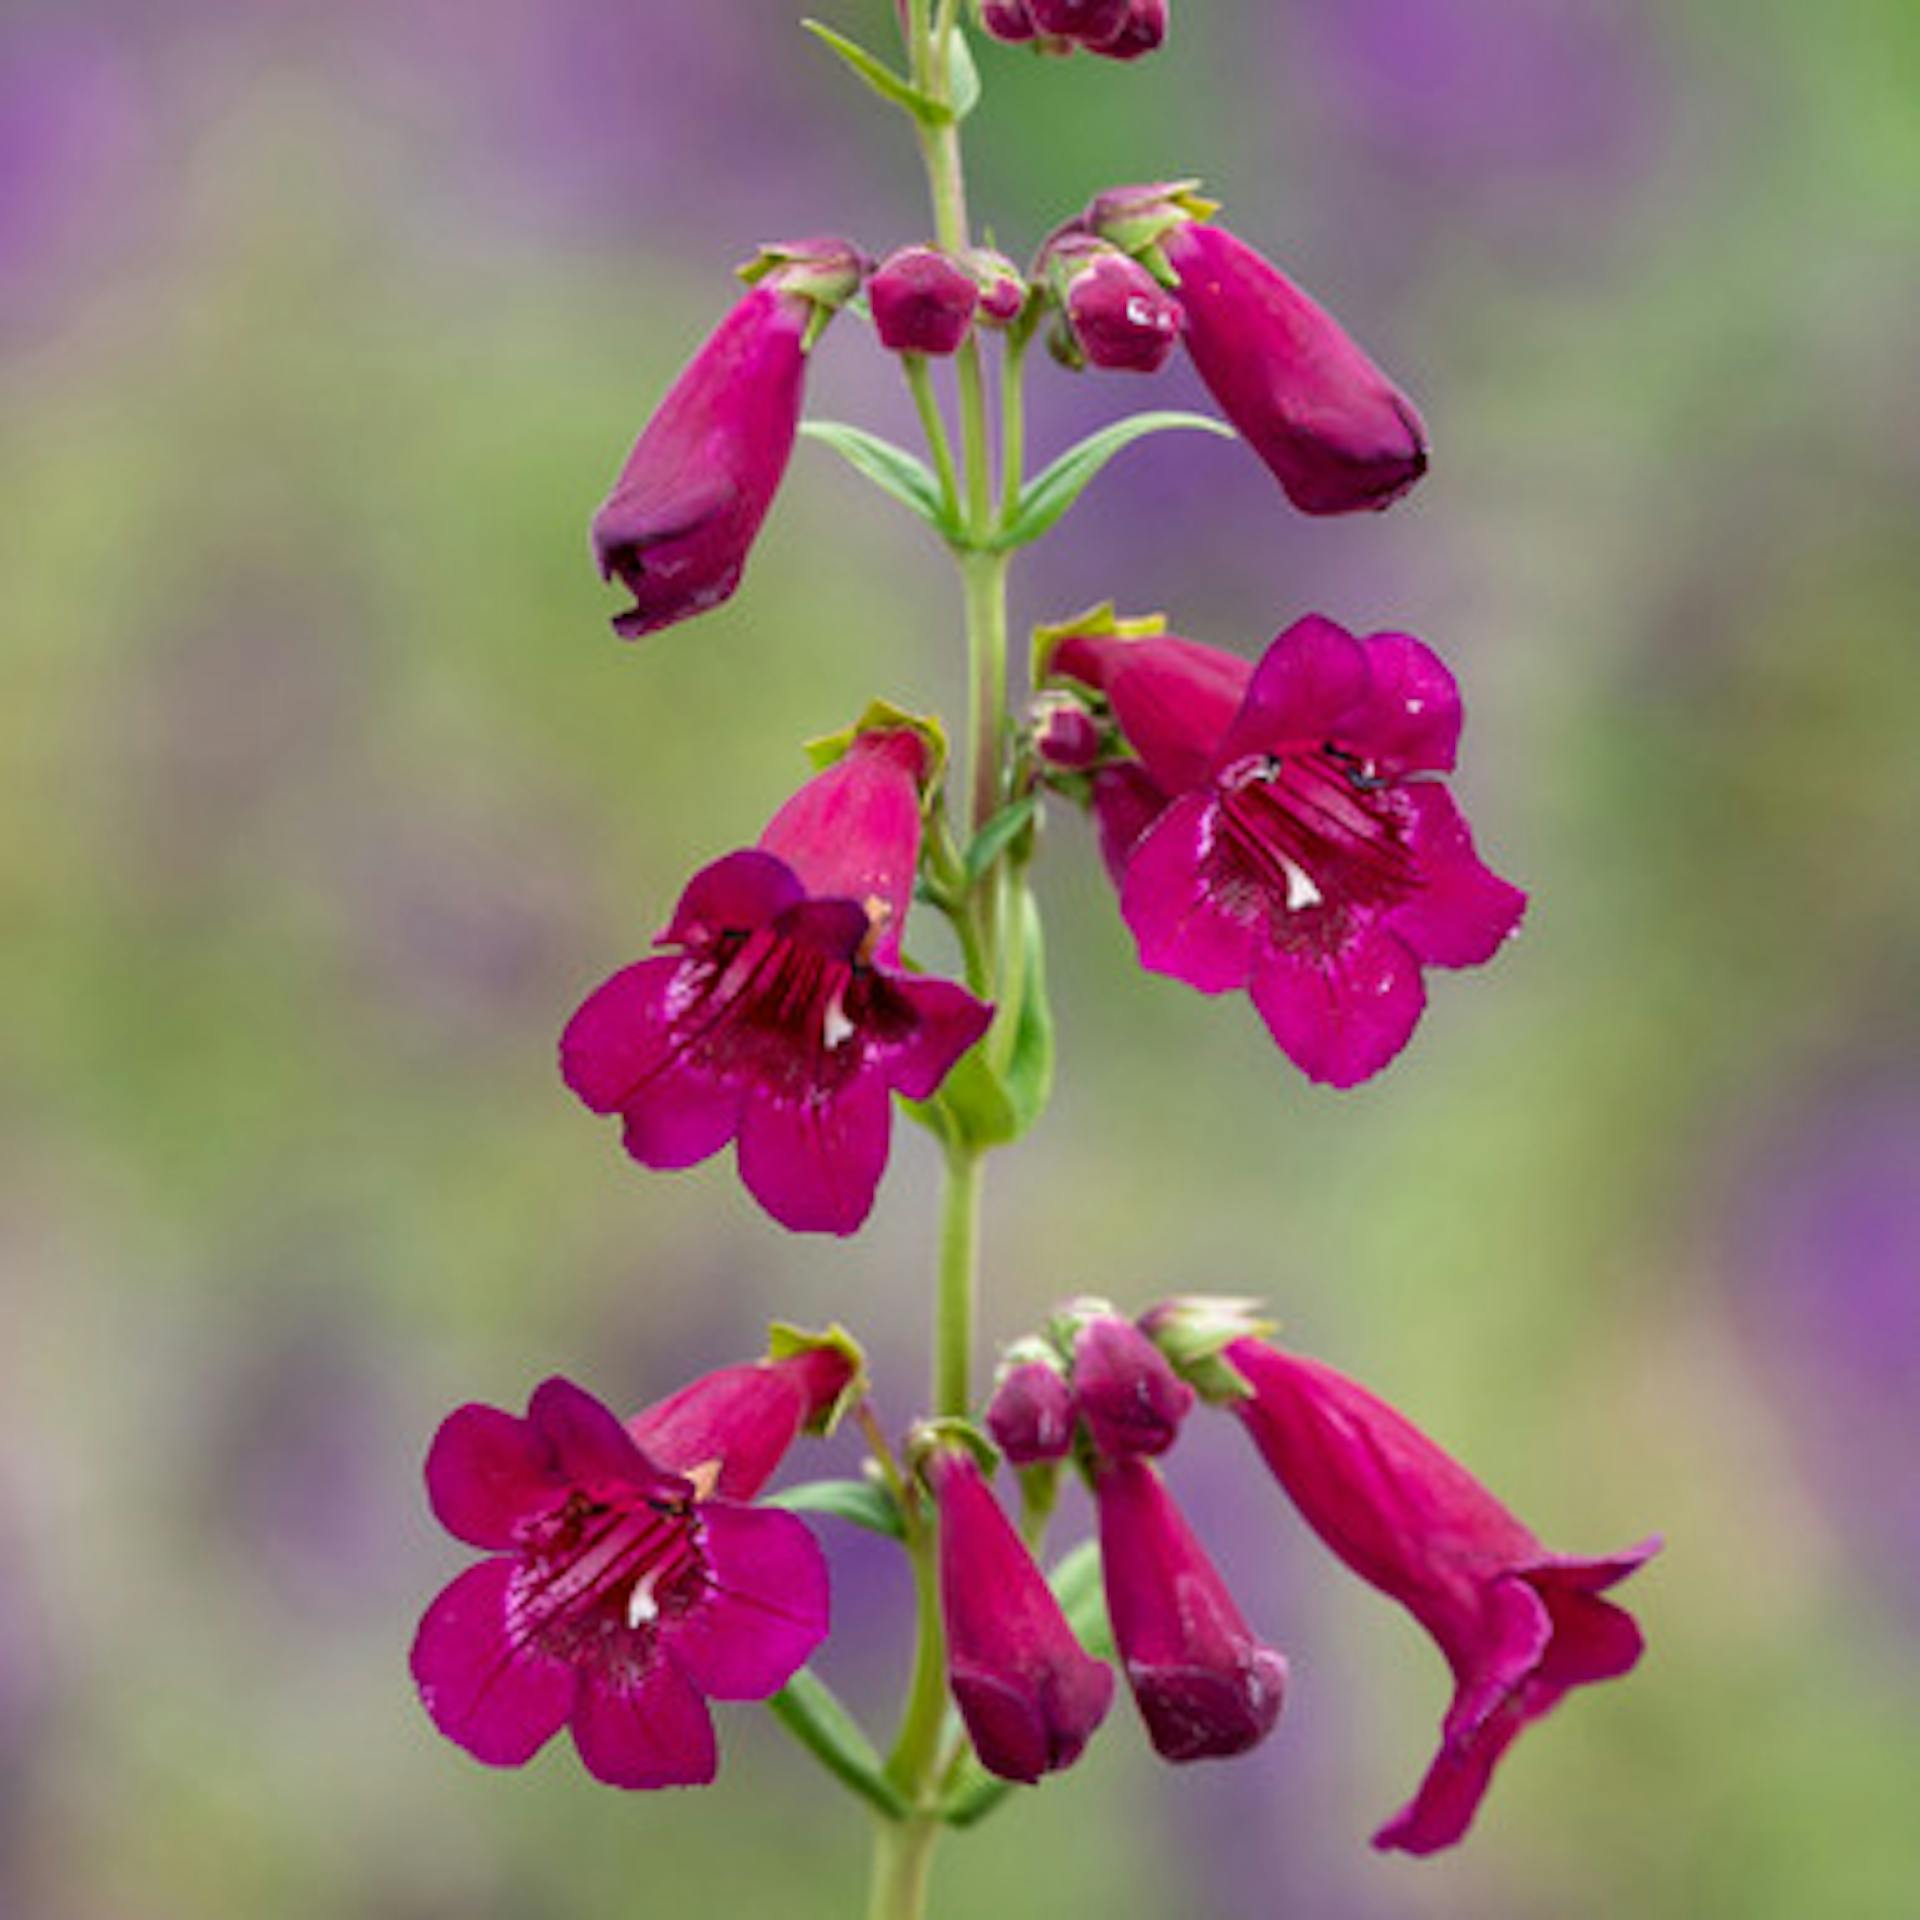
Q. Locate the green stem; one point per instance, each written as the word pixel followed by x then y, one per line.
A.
pixel 902 1858
pixel 959 1280
pixel 1013 427
pixel 984 580
pixel 934 426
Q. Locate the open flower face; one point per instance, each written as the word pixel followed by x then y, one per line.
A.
pixel 1306 852
pixel 782 1017
pixel 1519 1626
pixel 621 1592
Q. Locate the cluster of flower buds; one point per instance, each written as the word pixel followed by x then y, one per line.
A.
pixel 1114 29
pixel 1519 1626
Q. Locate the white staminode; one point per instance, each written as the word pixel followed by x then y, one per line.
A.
pixel 838 1029
pixel 1301 892
pixel 642 1607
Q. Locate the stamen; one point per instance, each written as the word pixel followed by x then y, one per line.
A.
pixel 642 1608
pixel 1301 892
pixel 836 1028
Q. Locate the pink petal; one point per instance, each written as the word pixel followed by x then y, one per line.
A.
pixel 1509 1641
pixel 487 1471
pixel 1410 719
pixel 766 1608
pixel 1463 912
pixel 644 1726
pixel 1450 1795
pixel 948 1020
pixel 1174 700
pixel 744 1417
pixel 738 892
pixel 590 1446
pixel 500 1701
pixel 1340 1017
pixel 815 1162
pixel 1127 800
pixel 1310 680
pixel 1592 1639
pixel 1180 923
pixel 622 1036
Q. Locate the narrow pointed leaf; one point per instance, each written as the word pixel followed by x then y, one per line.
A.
pixel 808 1709
pixel 858 1501
pixel 889 85
pixel 997 835
pixel 1050 493
pixel 892 469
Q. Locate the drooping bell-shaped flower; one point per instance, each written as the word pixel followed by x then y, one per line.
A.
pixel 1205 1687
pixel 1129 1395
pixel 1304 853
pixel 923 301
pixel 1007 20
pixel 782 1016
pixel 1085 22
pixel 1030 1694
pixel 1519 1626
pixel 622 1591
pixel 677 527
pixel 1336 433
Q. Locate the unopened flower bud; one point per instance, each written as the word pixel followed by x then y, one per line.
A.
pixel 923 301
pixel 1144 31
pixel 1087 22
pixel 1031 1414
pixel 1007 20
pixel 1003 291
pixel 1122 318
pixel 1131 1398
pixel 1065 735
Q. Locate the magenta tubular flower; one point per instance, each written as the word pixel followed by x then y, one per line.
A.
pixel 1129 1395
pixel 1032 1413
pixel 677 527
pixel 1121 316
pixel 1030 1694
pixel 1336 433
pixel 620 1596
pixel 1143 31
pixel 1519 1626
pixel 1206 1688
pixel 1301 856
pixel 923 301
pixel 782 1018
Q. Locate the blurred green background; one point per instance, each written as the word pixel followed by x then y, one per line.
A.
pixel 327 794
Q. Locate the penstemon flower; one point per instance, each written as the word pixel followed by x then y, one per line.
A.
pixel 1519 1626
pixel 677 527
pixel 784 1018
pixel 1303 852
pixel 623 1590
pixel 1278 826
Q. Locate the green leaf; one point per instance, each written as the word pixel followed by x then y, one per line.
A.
pixel 997 835
pixel 890 86
pixel 892 469
pixel 808 1709
pixel 1028 1078
pixel 972 1100
pixel 963 77
pixel 859 1501
pixel 1049 494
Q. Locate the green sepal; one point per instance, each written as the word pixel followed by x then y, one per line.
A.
pixel 1096 623
pixel 829 278
pixel 811 1712
pixel 1048 495
pixel 1194 1330
pixel 1134 219
pixel 863 1503
pixel 896 472
pixel 998 835
pixel 950 1433
pixel 882 716
pixel 892 87
pixel 787 1342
